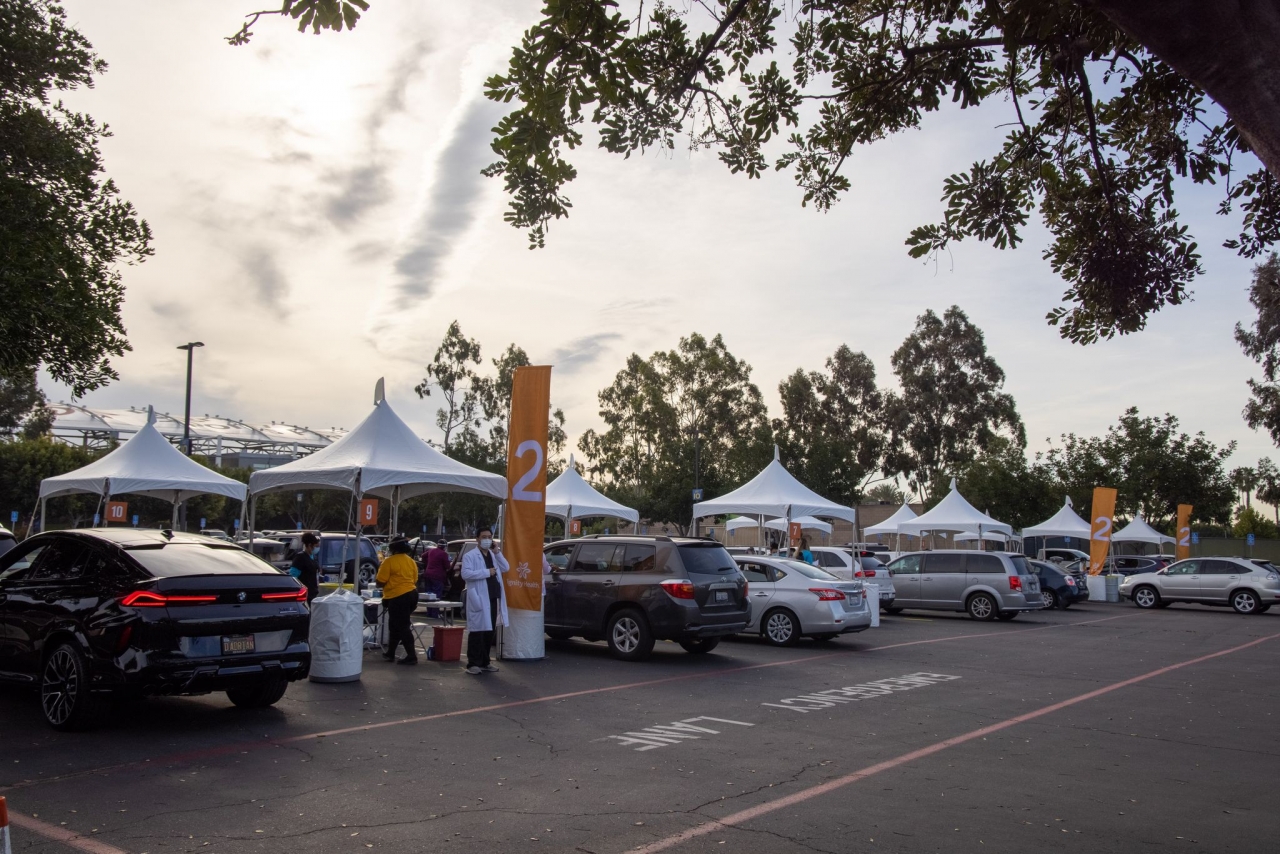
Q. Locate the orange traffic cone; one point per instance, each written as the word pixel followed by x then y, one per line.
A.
pixel 4 827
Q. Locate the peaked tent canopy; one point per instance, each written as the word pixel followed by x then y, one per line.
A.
pixel 890 525
pixel 571 497
pixel 1064 523
pixel 1138 531
pixel 806 522
pixel 741 522
pixel 954 513
pixel 990 536
pixel 145 465
pixel 774 492
pixel 382 457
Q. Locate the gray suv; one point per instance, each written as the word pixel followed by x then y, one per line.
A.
pixel 988 585
pixel 632 591
pixel 1248 586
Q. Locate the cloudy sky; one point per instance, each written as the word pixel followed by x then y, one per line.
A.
pixel 319 220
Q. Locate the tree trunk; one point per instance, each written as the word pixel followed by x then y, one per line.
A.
pixel 1229 48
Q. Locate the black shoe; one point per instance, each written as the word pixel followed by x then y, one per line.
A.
pixel 388 656
pixel 413 660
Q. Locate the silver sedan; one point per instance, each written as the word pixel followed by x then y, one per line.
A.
pixel 791 599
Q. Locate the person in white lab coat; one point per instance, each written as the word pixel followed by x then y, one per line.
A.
pixel 486 599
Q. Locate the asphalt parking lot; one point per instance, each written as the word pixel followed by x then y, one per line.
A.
pixel 1102 728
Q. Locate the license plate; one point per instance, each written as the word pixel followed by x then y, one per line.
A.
pixel 235 644
pixel 885 594
pixel 722 596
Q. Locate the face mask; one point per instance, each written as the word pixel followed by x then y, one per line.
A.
pixel 486 543
pixel 315 550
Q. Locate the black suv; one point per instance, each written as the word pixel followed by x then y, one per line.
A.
pixel 88 614
pixel 631 591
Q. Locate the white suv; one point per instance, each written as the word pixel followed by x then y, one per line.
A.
pixel 839 561
pixel 1248 586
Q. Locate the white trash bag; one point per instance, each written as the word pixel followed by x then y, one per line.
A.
pixel 337 637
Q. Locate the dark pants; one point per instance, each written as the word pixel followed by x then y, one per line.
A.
pixel 399 632
pixel 479 643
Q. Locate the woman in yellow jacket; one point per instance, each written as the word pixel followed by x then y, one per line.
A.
pixel 398 578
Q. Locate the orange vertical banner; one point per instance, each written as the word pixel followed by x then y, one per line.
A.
pixel 1100 524
pixel 525 521
pixel 1182 548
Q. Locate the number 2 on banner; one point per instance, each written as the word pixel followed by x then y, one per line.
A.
pixel 1184 537
pixel 1103 529
pixel 520 490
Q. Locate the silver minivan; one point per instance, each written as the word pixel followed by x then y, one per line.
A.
pixel 987 585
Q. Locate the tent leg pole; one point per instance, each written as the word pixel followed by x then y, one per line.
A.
pixel 43 503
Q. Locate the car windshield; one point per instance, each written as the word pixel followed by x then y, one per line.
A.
pixel 706 559
pixel 184 559
pixel 808 570
pixel 1266 565
pixel 1020 564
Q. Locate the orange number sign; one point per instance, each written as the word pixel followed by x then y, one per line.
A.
pixel 575 527
pixel 368 511
pixel 117 511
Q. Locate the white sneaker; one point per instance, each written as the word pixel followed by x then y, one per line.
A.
pixel 489 668
pixel 474 671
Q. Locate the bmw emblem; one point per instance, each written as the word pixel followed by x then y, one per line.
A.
pixel 240 597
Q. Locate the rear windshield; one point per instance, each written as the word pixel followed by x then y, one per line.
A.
pixel 808 570
pixel 1020 564
pixel 185 559
pixel 709 559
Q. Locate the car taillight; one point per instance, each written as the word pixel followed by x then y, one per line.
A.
pixel 678 589
pixel 1071 581
pixel 826 594
pixel 151 599
pixel 299 595
pixel 1015 582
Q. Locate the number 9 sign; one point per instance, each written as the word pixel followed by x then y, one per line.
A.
pixel 368 512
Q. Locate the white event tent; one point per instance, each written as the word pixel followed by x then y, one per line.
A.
pixel 775 492
pixel 147 464
pixel 1064 523
pixel 741 522
pixel 890 525
pixel 954 513
pixel 1138 531
pixel 571 497
pixel 808 523
pixel 381 457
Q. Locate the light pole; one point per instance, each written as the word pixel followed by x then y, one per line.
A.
pixel 190 347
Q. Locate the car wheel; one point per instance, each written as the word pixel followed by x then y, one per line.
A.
pixel 1245 602
pixel 65 700
pixel 981 607
pixel 559 634
pixel 1146 597
pixel 780 627
pixel 629 636
pixel 368 572
pixel 700 645
pixel 1048 599
pixel 259 696
pixel 893 612
pixel 1006 616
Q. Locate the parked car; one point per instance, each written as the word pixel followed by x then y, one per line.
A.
pixel 878 548
pixel 631 591
pixel 1059 588
pixel 1250 587
pixel 791 599
pixel 1063 555
pixel 331 554
pixel 1135 564
pixel 839 561
pixel 7 540
pixel 987 585
pixel 85 615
